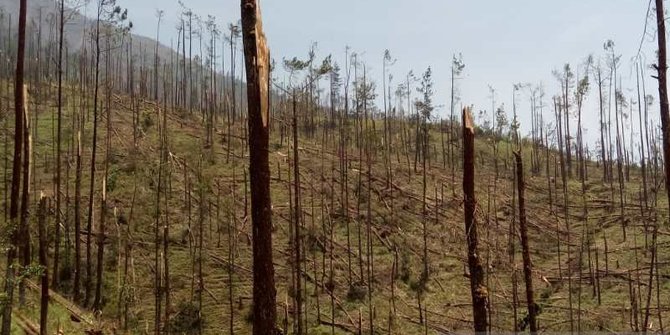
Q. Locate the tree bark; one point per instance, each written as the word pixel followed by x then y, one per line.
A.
pixel 24 224
pixel 58 142
pixel 257 66
pixel 477 287
pixel 94 145
pixel 662 68
pixel 297 223
pixel 44 297
pixel 523 230
pixel 77 222
pixel 16 169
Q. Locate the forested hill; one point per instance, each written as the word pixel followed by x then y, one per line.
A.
pixel 76 26
pixel 137 177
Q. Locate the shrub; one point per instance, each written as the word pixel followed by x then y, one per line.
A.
pixel 405 272
pixel 357 291
pixel 187 320
pixel 147 122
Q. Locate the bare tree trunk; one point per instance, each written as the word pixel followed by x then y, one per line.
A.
pixel 603 152
pixel 14 238
pixel 523 230
pixel 297 216
pixel 158 291
pixel 662 68
pixel 24 225
pixel 167 192
pixel 477 287
pixel 44 294
pixel 94 144
pixel 77 221
pixel 257 66
pixel 201 232
pixel 103 203
pixel 58 143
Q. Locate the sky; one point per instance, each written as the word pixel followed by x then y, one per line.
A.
pixel 501 42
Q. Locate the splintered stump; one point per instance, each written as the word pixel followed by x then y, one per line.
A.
pixel 256 58
pixel 477 286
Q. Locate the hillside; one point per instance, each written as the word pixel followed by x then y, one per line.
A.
pixel 127 191
pixel 206 207
pixel 77 27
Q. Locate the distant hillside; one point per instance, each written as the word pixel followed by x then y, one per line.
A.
pixel 79 29
pixel 76 26
pixel 362 232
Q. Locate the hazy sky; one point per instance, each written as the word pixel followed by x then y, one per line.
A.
pixel 502 42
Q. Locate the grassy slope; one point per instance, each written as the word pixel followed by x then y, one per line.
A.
pixel 447 300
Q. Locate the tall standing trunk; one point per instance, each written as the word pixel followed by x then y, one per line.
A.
pixel 387 131
pixel 344 182
pixel 452 137
pixel 478 289
pixel 424 212
pixel 157 239
pixel 232 113
pixel 166 228
pixel 24 225
pixel 16 169
pixel 662 68
pixel 58 144
pixel 257 65
pixel 568 145
pixel 201 224
pixel 297 216
pixel 559 137
pixel 76 288
pixel 643 161
pixel 103 210
pixel 44 294
pixel 523 230
pixel 368 216
pixel 620 155
pixel 94 144
pixel 603 153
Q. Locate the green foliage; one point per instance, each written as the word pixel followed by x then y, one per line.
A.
pixel 425 106
pixel 182 113
pixel 32 270
pixel 234 30
pixel 582 87
pixel 295 64
pixel 140 165
pixel 502 123
pixel 112 179
pixel 315 240
pixel 3 300
pixel 417 285
pixel 365 93
pixel 457 64
pixel 187 320
pixel 524 322
pixel 405 272
pixel 357 291
pixel 147 121
pixel 65 272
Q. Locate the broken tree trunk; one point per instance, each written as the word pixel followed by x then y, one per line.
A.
pixel 477 287
pixel 523 230
pixel 256 57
